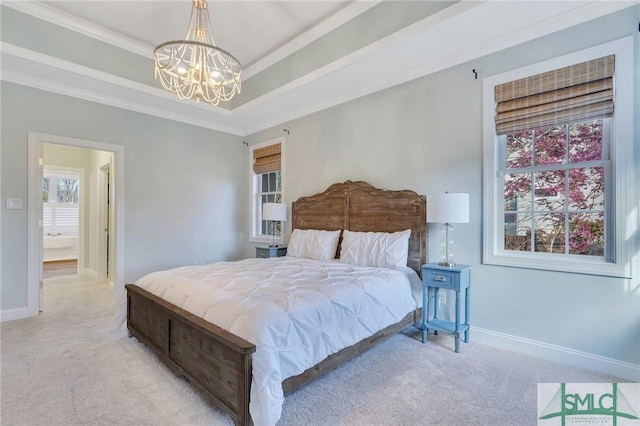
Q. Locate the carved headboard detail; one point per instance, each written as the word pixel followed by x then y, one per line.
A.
pixel 358 206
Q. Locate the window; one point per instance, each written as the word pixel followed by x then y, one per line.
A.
pixel 267 187
pixel 554 184
pixel 60 198
pixel 557 170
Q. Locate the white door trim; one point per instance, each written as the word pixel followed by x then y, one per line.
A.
pixel 101 256
pixel 34 234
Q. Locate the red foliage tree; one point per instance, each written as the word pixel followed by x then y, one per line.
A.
pixel 553 185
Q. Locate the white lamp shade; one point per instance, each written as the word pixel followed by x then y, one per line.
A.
pixel 448 208
pixel 274 211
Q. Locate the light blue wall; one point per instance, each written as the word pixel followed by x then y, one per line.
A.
pixel 426 136
pixel 183 196
pixel 186 188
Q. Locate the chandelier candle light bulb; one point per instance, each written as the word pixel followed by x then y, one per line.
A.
pixel 195 68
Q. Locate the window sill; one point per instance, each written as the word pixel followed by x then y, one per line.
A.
pixel 550 262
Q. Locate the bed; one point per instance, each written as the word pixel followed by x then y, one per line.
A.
pixel 218 362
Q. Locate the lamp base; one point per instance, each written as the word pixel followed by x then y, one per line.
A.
pixel 447 264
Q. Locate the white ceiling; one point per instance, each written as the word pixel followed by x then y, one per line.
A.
pixel 250 30
pixel 270 30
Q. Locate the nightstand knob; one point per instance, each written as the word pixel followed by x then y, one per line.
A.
pixel 441 278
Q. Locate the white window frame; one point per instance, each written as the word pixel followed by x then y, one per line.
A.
pixel 622 188
pixel 256 211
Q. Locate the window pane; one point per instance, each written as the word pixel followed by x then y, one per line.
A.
pixel 517 231
pixel 586 234
pixel 45 190
pixel 517 186
pixel 67 190
pixel 549 192
pixel 272 182
pixel 549 234
pixel 586 188
pixel 550 146
pixel 278 187
pixel 585 142
pixel 518 150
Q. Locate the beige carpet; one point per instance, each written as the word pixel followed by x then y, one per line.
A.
pixel 72 366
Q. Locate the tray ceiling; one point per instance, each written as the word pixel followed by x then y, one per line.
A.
pixel 263 33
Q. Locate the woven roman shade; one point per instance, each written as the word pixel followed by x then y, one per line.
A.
pixel 267 159
pixel 577 92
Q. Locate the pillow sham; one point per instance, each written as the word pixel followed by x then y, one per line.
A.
pixel 313 244
pixel 381 249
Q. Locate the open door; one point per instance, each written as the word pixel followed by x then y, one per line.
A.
pixel 104 207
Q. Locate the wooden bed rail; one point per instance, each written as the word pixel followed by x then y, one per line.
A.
pixel 216 362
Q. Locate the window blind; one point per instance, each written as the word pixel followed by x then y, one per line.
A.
pixel 267 159
pixel 577 92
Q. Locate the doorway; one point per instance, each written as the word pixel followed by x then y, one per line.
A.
pixel 98 155
pixel 63 198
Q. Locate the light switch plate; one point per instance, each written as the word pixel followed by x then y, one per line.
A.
pixel 13 204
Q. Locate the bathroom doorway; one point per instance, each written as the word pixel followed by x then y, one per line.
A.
pixel 102 153
pixel 62 196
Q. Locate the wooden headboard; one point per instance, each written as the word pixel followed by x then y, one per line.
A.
pixel 358 206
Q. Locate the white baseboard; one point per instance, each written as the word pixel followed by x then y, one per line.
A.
pixel 89 273
pixel 17 313
pixel 559 354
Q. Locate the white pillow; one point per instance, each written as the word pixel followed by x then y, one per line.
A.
pixel 313 244
pixel 381 249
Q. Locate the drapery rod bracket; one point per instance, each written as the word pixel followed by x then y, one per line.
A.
pixel 245 143
pixel 286 131
pixel 475 73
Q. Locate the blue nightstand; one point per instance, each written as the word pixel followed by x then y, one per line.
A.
pixel 266 252
pixel 456 278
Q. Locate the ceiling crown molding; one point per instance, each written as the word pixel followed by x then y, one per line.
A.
pixel 34 69
pixel 47 13
pixel 458 34
pixel 325 27
pixel 55 16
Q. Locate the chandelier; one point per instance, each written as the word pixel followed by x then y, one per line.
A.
pixel 194 68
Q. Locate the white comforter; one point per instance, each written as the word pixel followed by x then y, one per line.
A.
pixel 296 311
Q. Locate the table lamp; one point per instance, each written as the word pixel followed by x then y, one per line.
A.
pixel 274 212
pixel 447 209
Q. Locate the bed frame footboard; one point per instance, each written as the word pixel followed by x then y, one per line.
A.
pixel 216 362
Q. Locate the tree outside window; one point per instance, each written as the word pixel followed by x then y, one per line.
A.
pixel 554 189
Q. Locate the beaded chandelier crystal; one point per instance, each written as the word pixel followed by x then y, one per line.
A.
pixel 194 68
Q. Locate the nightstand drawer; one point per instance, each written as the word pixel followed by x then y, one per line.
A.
pixel 267 252
pixel 442 279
